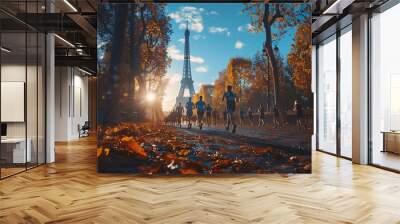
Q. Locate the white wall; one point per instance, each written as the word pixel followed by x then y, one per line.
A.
pixel 314 91
pixel 71 102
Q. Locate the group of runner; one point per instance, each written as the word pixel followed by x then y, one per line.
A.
pixel 206 109
pixel 259 119
pixel 231 99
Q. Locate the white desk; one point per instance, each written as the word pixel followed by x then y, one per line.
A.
pixel 17 146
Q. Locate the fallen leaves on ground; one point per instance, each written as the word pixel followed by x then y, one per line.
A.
pixel 159 149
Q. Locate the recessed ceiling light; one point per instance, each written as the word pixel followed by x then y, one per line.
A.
pixel 64 40
pixel 333 6
pixel 84 71
pixel 70 5
pixel 5 50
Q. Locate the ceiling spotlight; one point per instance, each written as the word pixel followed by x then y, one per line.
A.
pixel 5 50
pixel 84 71
pixel 70 5
pixel 65 41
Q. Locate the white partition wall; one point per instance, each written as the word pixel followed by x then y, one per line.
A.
pixel 71 102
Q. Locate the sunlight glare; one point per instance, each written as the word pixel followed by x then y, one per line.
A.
pixel 150 97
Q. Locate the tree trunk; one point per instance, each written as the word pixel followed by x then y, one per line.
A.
pixel 270 52
pixel 136 41
pixel 111 80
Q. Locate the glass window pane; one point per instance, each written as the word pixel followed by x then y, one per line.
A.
pixel 346 94
pixel 13 87
pixel 385 84
pixel 327 96
pixel 31 97
pixel 41 99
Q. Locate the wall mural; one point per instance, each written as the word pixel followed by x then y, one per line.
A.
pixel 204 88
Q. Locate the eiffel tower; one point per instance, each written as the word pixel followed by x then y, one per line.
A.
pixel 186 82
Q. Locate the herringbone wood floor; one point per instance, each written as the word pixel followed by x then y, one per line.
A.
pixel 71 191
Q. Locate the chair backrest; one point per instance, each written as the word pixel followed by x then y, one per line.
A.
pixel 86 125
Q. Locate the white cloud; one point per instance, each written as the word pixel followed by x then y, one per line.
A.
pixel 182 40
pixel 191 14
pixel 175 54
pixel 198 37
pixel 195 59
pixel 215 29
pixel 239 44
pixel 213 13
pixel 248 27
pixel 201 69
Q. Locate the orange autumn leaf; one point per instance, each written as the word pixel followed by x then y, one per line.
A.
pixel 260 150
pixel 188 171
pixel 133 146
pixel 183 152
pixel 99 152
pixel 107 151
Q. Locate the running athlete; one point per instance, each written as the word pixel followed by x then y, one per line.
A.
pixel 215 116
pixel 209 111
pixel 298 108
pixel 231 98
pixel 276 117
pixel 189 112
pixel 261 116
pixel 250 115
pixel 179 113
pixel 241 116
pixel 201 107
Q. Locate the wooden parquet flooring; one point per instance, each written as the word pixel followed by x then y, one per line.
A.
pixel 71 191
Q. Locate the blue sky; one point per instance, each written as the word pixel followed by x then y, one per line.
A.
pixel 218 32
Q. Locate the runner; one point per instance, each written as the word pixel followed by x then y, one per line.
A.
pixel 179 112
pixel 250 115
pixel 224 115
pixel 276 117
pixel 209 111
pixel 299 114
pixel 201 107
pixel 215 117
pixel 230 108
pixel 241 116
pixel 261 116
pixel 189 112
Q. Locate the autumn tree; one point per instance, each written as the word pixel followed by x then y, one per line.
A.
pixel 239 75
pixel 219 89
pixel 109 79
pixel 149 31
pixel 133 47
pixel 261 86
pixel 275 20
pixel 299 60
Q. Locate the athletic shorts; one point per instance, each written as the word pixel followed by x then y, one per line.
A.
pixel 200 114
pixel 230 107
